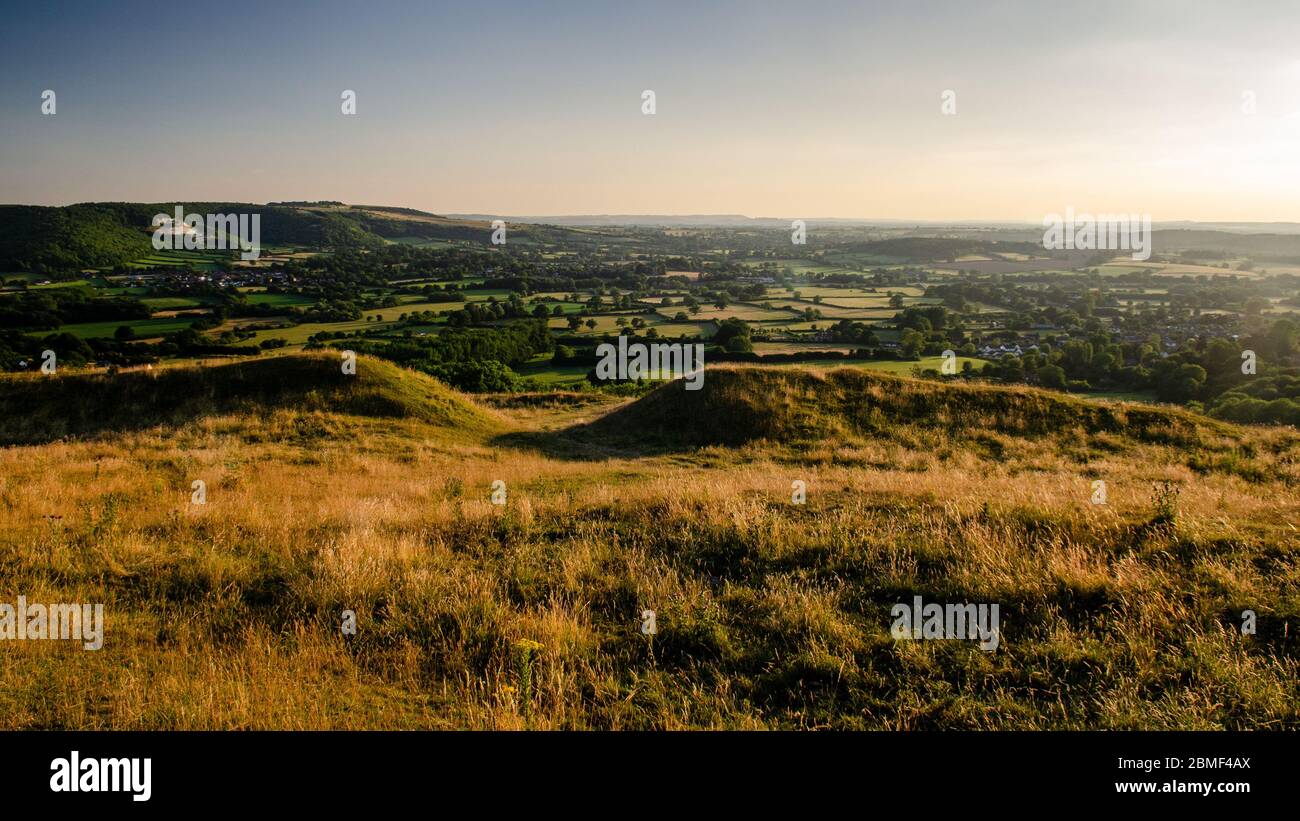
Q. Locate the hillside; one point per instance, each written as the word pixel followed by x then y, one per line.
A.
pixel 37 408
pixel 408 223
pixel 739 404
pixel 500 564
pixel 34 238
pixel 69 238
pixel 99 234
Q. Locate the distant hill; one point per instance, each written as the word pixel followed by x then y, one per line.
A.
pixel 1273 247
pixel 394 223
pixel 36 238
pixel 87 235
pixel 647 220
pixel 927 249
pixel 91 235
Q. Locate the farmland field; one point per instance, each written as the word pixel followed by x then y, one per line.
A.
pixel 262 298
pixel 144 328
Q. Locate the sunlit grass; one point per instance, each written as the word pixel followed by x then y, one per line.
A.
pixel 769 614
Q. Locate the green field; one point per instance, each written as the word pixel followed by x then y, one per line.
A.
pixel 70 283
pixel 170 303
pixel 690 329
pixel 391 314
pixel 554 375
pixel 144 328
pixel 481 294
pixel 263 298
pixel 199 260
pixel 748 313
pixel 567 307
pixel 298 334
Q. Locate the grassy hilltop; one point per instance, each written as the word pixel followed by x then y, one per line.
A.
pixel 372 493
pixel 35 409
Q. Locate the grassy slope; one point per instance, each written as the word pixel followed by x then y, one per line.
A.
pixel 35 408
pixel 741 404
pixel 769 614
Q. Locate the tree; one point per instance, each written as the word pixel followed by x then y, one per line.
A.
pixel 1051 376
pixel 1284 337
pixel 911 342
pixel 479 376
pixel 730 330
pixel 68 348
pixel 924 317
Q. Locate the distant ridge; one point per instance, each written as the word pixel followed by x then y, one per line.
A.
pixel 741 220
pixel 649 220
pixel 102 234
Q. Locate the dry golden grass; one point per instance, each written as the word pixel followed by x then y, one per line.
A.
pixel 769 614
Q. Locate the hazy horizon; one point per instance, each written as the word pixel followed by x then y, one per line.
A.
pixel 761 109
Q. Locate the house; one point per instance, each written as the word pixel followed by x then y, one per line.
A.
pixel 990 352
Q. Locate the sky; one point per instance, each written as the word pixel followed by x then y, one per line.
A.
pixel 791 109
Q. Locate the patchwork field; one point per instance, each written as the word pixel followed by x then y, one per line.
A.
pixel 144 328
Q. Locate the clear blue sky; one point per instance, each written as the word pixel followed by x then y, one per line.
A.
pixel 768 109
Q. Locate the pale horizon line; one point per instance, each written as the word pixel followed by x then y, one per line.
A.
pixel 691 215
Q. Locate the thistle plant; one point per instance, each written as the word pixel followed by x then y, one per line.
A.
pixel 526 651
pixel 1165 503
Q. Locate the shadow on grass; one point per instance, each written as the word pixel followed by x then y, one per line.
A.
pixel 583 443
